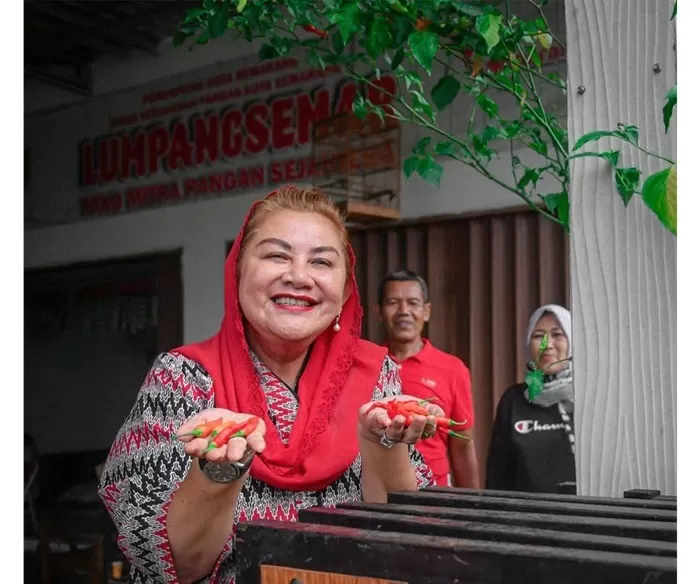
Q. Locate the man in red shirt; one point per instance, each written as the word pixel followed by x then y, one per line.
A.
pixel 427 372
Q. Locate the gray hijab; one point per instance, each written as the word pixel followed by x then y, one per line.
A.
pixel 558 387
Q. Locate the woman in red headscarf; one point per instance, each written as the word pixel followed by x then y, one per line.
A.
pixel 289 352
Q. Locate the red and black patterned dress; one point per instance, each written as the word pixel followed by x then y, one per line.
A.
pixel 145 466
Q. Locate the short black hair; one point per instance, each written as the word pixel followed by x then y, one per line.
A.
pixel 401 276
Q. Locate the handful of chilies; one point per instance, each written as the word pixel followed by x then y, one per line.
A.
pixel 409 409
pixel 220 432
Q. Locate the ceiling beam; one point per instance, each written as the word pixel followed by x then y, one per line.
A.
pixel 97 27
pixel 80 85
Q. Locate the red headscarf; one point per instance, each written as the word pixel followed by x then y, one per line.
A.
pixel 340 376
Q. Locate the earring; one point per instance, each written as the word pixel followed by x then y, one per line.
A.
pixel 336 326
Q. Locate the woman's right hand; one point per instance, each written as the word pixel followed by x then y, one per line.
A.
pixel 231 451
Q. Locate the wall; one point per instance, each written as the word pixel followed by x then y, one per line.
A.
pixel 55 122
pixel 200 229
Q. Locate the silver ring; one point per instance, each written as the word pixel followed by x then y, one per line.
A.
pixel 385 441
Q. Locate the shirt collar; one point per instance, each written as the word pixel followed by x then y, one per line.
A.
pixel 420 356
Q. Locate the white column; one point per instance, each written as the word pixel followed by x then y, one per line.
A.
pixel 623 262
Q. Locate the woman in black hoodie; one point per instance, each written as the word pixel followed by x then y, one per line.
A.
pixel 532 446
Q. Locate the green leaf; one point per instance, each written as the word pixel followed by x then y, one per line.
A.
pixel 410 165
pixel 531 175
pixel 203 38
pixel 488 25
pixel 627 182
pixel 544 343
pixel 629 133
pixel 538 145
pixel 491 133
pixel 349 21
pixel 379 111
pixel 267 52
pixel 534 380
pixel 513 129
pixel 397 6
pixel 469 9
pixel 194 15
pixel 424 46
pixel 659 194
pixel 558 204
pixel 545 40
pixel 379 37
pixel 314 59
pixel 671 98
pixel 430 171
pixel 218 22
pixel 445 148
pixel 675 9
pixel 411 78
pixel 481 148
pixel 422 145
pixel 612 156
pixel 592 137
pixel 403 27
pixel 337 43
pixel 180 37
pixel 398 58
pixel 418 102
pixel 445 91
pixel 489 107
pixel 359 107
pixel 240 7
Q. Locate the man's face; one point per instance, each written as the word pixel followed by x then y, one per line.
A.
pixel 404 311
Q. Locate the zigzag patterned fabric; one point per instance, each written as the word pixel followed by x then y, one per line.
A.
pixel 145 466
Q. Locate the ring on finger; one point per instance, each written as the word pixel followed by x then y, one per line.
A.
pixel 386 440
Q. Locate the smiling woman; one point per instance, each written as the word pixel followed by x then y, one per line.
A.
pixel 272 414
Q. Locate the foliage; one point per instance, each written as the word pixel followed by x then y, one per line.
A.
pixel 464 48
pixel 534 378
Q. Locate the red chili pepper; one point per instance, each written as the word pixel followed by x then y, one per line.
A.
pixel 225 435
pixel 203 430
pixel 447 422
pixel 414 408
pixel 250 426
pixel 241 429
pixel 422 24
pixel 312 29
pixel 395 407
pixel 221 427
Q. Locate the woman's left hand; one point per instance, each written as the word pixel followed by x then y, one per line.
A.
pixel 376 426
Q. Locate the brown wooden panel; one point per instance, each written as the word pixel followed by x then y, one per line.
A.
pixel 480 350
pixel 486 275
pixel 394 251
pixel 503 292
pixel 282 575
pixel 527 285
pixel 441 313
pixel 376 268
pixel 551 258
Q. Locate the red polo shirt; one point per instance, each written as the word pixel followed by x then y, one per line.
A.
pixel 434 373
